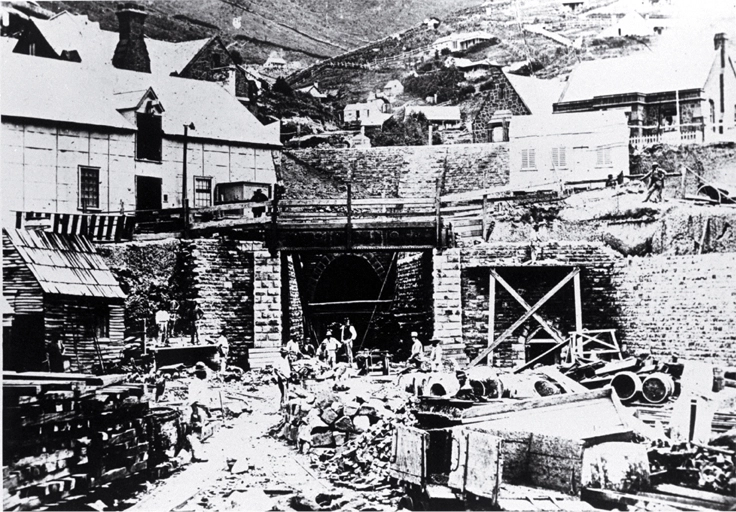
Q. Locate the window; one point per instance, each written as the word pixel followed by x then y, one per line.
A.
pixel 202 192
pixel 215 60
pixel 528 160
pixel 148 140
pixel 98 323
pixel 559 157
pixel 89 187
pixel 603 157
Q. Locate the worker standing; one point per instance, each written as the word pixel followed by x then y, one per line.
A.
pixel 199 401
pixel 223 350
pixel 656 183
pixel 292 350
pixel 283 375
pixel 436 355
pixel 331 345
pixel 348 335
pixel 417 350
pixel 162 321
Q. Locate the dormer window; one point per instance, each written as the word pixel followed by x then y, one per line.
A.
pixel 148 139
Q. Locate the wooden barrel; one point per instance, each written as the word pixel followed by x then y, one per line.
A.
pixel 657 388
pixel 627 385
pixel 485 382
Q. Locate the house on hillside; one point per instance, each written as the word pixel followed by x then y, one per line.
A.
pixel 78 139
pixel 471 70
pixel 393 89
pixel 505 95
pixel 439 117
pixel 461 41
pixel 676 94
pixel 74 37
pixel 573 5
pixel 275 63
pixel 59 289
pixel 633 24
pixel 314 91
pixel 582 148
pixel 372 112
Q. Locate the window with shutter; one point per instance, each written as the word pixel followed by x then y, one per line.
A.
pixel 559 157
pixel 528 159
pixel 202 192
pixel 603 157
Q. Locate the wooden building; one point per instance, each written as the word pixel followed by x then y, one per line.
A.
pixel 59 288
pixel 568 148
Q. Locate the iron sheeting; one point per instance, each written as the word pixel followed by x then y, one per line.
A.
pixel 65 264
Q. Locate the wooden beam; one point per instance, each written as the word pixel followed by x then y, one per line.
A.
pixel 531 311
pixel 369 302
pixel 481 413
pixel 578 304
pixel 491 311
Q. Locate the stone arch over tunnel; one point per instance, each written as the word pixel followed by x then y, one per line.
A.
pixel 360 286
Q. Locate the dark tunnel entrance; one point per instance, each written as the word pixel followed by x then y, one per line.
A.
pixel 351 286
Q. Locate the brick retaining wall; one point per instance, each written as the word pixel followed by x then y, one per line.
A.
pixel 683 306
pixel 407 171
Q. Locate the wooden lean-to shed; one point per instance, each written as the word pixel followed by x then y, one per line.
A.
pixel 60 288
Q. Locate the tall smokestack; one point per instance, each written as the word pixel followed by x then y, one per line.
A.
pixel 131 52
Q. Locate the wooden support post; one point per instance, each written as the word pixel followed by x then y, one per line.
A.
pixel 349 224
pixel 491 312
pixel 578 304
pixel 531 311
pixel 438 211
pixel 484 223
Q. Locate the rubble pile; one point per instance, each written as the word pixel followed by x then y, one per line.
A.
pixel 348 437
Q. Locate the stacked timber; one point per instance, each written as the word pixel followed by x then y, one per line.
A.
pixel 65 434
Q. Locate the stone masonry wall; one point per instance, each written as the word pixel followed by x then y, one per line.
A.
pixel 293 303
pixel 501 96
pixel 412 305
pixel 683 306
pixel 408 171
pixel 267 300
pixel 447 295
pixel 222 280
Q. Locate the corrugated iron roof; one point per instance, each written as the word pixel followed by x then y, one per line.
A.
pixel 65 264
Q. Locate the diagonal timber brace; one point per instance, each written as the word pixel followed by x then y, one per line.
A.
pixel 531 311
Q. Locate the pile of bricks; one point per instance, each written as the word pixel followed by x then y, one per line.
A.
pixel 65 434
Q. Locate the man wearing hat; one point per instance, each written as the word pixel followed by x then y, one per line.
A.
pixel 331 345
pixel 436 356
pixel 283 374
pixel 417 350
pixel 656 183
pixel 198 400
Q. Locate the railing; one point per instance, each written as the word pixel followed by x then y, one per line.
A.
pixel 95 227
pixel 685 134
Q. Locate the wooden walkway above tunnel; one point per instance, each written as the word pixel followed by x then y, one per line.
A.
pixel 335 224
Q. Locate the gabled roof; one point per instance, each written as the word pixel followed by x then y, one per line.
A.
pixel 55 90
pixel 464 36
pixel 376 120
pixel 538 95
pixel 65 264
pixel 96 47
pixel 436 113
pixel 668 69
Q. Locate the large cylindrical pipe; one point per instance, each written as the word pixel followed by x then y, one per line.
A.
pixel 627 385
pixel 657 388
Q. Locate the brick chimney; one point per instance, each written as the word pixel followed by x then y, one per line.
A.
pixel 131 52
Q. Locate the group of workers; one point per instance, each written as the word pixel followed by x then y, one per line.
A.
pixel 417 356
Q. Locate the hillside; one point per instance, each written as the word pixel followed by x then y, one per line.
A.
pixel 303 29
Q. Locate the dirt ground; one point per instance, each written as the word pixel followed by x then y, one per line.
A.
pixel 266 473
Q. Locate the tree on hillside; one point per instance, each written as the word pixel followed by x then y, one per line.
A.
pixel 281 86
pixel 412 131
pixel 443 82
